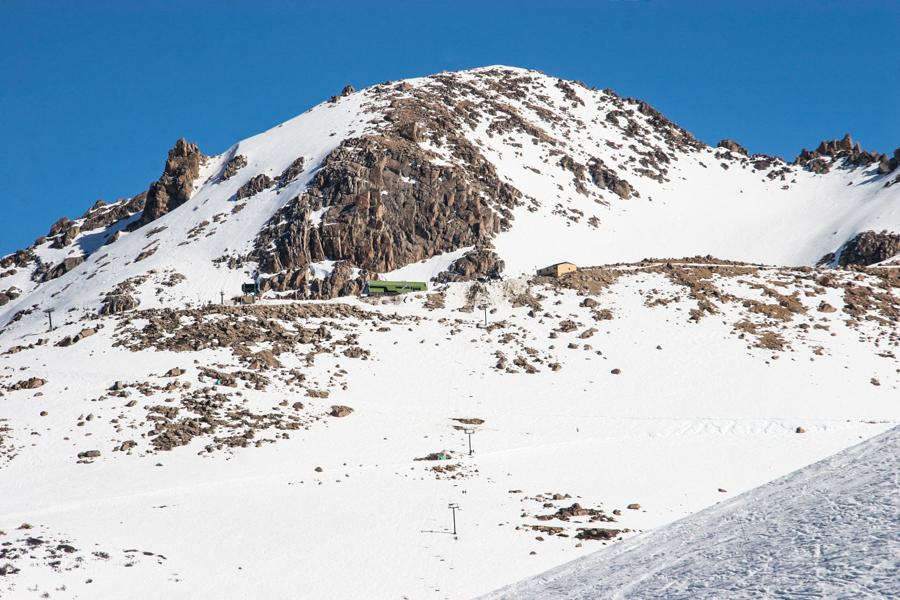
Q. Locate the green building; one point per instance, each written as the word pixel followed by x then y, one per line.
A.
pixel 377 288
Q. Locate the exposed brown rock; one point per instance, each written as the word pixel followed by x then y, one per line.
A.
pixel 476 264
pixel 824 307
pixel 121 298
pixel 431 209
pixel 64 267
pixel 888 165
pixel 850 154
pixel 596 533
pixel 868 248
pixel 9 295
pixel 340 411
pixel 175 185
pixel 118 302
pixel 256 184
pixel 291 172
pixel 234 164
pixel 606 178
pixel 28 384
pixel 340 282
pixel 732 146
pixel 72 339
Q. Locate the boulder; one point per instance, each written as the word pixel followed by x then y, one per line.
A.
pixel 31 383
pixel 340 411
pixel 63 267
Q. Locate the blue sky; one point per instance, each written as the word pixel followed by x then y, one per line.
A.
pixel 93 94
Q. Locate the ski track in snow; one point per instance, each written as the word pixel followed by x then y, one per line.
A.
pixel 830 530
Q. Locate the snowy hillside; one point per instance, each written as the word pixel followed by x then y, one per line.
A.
pixel 826 531
pixel 169 436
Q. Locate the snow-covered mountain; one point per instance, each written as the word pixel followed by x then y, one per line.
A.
pixel 414 175
pixel 734 318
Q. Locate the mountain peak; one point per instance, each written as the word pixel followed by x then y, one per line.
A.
pixel 447 176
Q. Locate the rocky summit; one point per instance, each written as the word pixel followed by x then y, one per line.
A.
pixel 438 335
pixel 444 171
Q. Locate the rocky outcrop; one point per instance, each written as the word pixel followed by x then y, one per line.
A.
pixel 176 184
pixel 674 136
pixel 341 281
pixel 234 164
pixel 480 263
pixel 74 339
pixel 9 295
pixel 28 384
pixel 291 172
pixel 888 165
pixel 346 91
pixel 386 205
pixel 606 178
pixel 118 302
pixel 19 258
pixel 850 154
pixel 64 231
pixel 102 215
pixel 869 248
pixel 63 267
pixel 732 146
pixel 256 184
pixel 121 298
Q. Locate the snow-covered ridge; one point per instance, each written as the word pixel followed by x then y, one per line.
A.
pixel 602 179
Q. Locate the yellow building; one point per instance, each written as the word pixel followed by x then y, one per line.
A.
pixel 558 270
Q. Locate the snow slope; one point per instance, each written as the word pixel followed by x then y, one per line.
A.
pixel 703 412
pixel 829 530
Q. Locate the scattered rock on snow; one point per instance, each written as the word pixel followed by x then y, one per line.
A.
pixel 338 410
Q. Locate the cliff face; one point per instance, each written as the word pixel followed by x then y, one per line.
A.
pixel 383 205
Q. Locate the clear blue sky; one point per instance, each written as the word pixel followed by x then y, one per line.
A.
pixel 93 93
